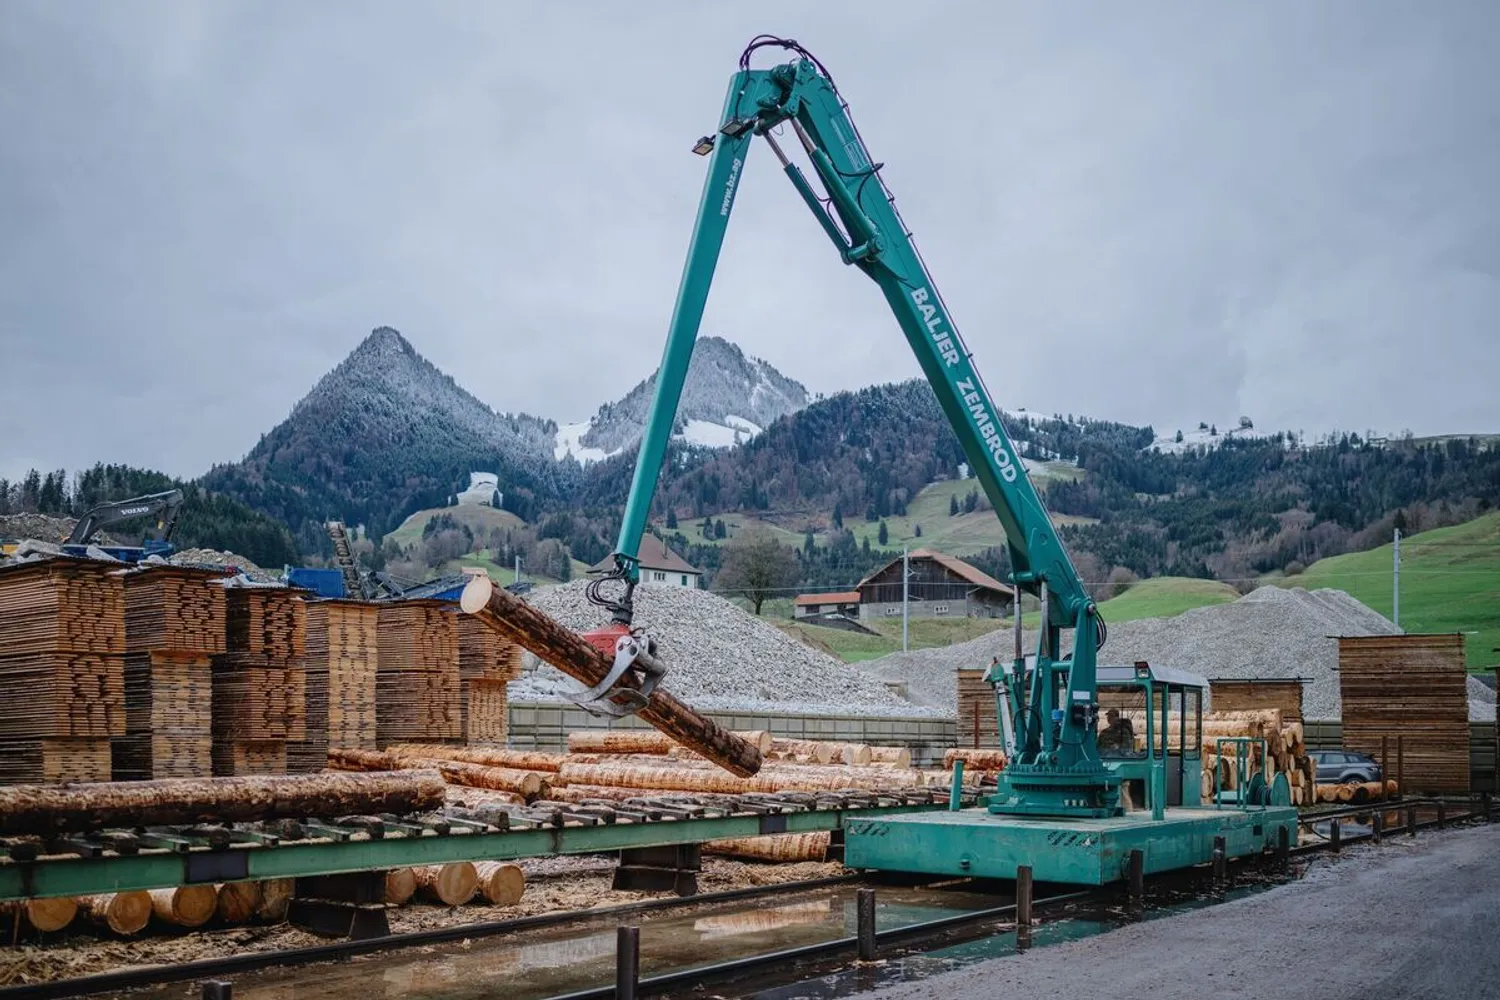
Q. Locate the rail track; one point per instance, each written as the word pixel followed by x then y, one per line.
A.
pixel 1354 824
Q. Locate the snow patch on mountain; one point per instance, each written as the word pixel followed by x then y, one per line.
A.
pixel 734 430
pixel 570 442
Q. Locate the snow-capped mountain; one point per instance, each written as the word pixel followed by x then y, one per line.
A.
pixel 728 399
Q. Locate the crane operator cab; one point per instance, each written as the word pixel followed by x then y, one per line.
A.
pixel 1151 734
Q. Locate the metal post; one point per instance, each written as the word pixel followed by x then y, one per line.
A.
pixel 905 594
pixel 1385 757
pixel 864 922
pixel 1411 821
pixel 217 989
pixel 627 962
pixel 1335 834
pixel 1283 845
pixel 1377 824
pixel 955 794
pixel 1400 764
pixel 1396 579
pixel 1221 861
pixel 976 723
pixel 1023 896
pixel 1442 818
pixel 1137 874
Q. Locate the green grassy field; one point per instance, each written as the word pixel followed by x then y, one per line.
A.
pixel 1166 596
pixel 1450 582
pixel 478 519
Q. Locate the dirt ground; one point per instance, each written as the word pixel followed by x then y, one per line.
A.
pixel 552 885
pixel 1408 919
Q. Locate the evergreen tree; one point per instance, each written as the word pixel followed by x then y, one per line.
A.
pixel 31 491
pixel 884 535
pixel 4 497
pixel 671 519
pixel 719 531
pixel 838 516
pixel 809 541
pixel 917 531
pixel 1178 439
pixel 953 505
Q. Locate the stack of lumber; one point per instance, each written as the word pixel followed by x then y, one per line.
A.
pixel 978 725
pixel 259 683
pixel 339 678
pixel 175 622
pixel 487 663
pixel 1414 687
pixel 1241 695
pixel 418 694
pixel 62 645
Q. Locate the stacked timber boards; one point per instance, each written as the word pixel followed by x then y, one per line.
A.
pixel 174 625
pixel 977 724
pixel 487 664
pixel 1414 687
pixel 62 646
pixel 1238 695
pixel 340 680
pixel 259 685
pixel 417 689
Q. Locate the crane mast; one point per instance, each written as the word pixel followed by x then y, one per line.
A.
pixel 1053 704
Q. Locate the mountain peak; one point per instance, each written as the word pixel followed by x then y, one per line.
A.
pixel 384 340
pixel 728 397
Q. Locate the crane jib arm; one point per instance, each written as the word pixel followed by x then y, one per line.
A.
pixel 1057 770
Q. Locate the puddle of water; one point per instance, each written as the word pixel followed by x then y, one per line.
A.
pixel 544 962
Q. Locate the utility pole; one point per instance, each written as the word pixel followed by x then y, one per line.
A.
pixel 905 579
pixel 518 568
pixel 1396 579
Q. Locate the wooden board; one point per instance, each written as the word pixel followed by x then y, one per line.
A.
pixel 62 694
pixel 487 719
pixel 339 682
pixel 268 621
pixel 483 654
pixel 258 698
pixel 50 761
pixel 976 703
pixel 62 605
pixel 168 717
pixel 176 608
pixel 1414 687
pixel 248 757
pixel 1238 695
pixel 417 636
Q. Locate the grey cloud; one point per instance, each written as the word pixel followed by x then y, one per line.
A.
pixel 1164 212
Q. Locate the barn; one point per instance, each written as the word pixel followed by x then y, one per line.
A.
pixel 940 586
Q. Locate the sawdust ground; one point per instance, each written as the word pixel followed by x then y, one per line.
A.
pixel 554 885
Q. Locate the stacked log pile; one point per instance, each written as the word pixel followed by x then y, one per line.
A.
pixel 1284 749
pixel 62 645
pixel 487 663
pixel 175 622
pixel 1414 687
pixel 339 675
pixel 417 689
pixel 259 682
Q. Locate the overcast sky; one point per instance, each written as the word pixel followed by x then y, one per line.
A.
pixel 1151 212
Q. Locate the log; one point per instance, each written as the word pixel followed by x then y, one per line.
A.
pixel 500 884
pixel 349 759
pixel 503 779
pixel 524 760
pixel 984 760
pixel 124 913
pixel 237 901
pixel 778 847
pixel 400 886
pixel 569 652
pixel 893 756
pixel 452 884
pixel 186 905
pixel 275 899
pixel 818 750
pixel 630 741
pixel 771 779
pixel 853 754
pixel 45 809
pixel 49 913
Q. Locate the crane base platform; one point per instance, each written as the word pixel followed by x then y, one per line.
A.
pixel 1084 851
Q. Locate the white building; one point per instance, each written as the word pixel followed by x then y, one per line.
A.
pixel 660 566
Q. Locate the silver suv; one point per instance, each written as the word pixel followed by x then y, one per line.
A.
pixel 1337 767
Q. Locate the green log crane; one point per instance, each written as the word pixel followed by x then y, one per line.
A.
pixel 1052 704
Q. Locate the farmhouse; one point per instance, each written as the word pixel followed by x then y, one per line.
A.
pixel 845 602
pixel 939 586
pixel 659 565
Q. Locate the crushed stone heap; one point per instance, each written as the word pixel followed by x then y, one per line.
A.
pixel 1272 632
pixel 719 658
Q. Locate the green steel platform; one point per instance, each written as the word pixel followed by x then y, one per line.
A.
pixel 979 843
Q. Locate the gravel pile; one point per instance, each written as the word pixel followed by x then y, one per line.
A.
pixel 213 557
pixel 719 658
pixel 1271 632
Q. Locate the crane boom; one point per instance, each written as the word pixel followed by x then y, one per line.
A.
pixel 1056 770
